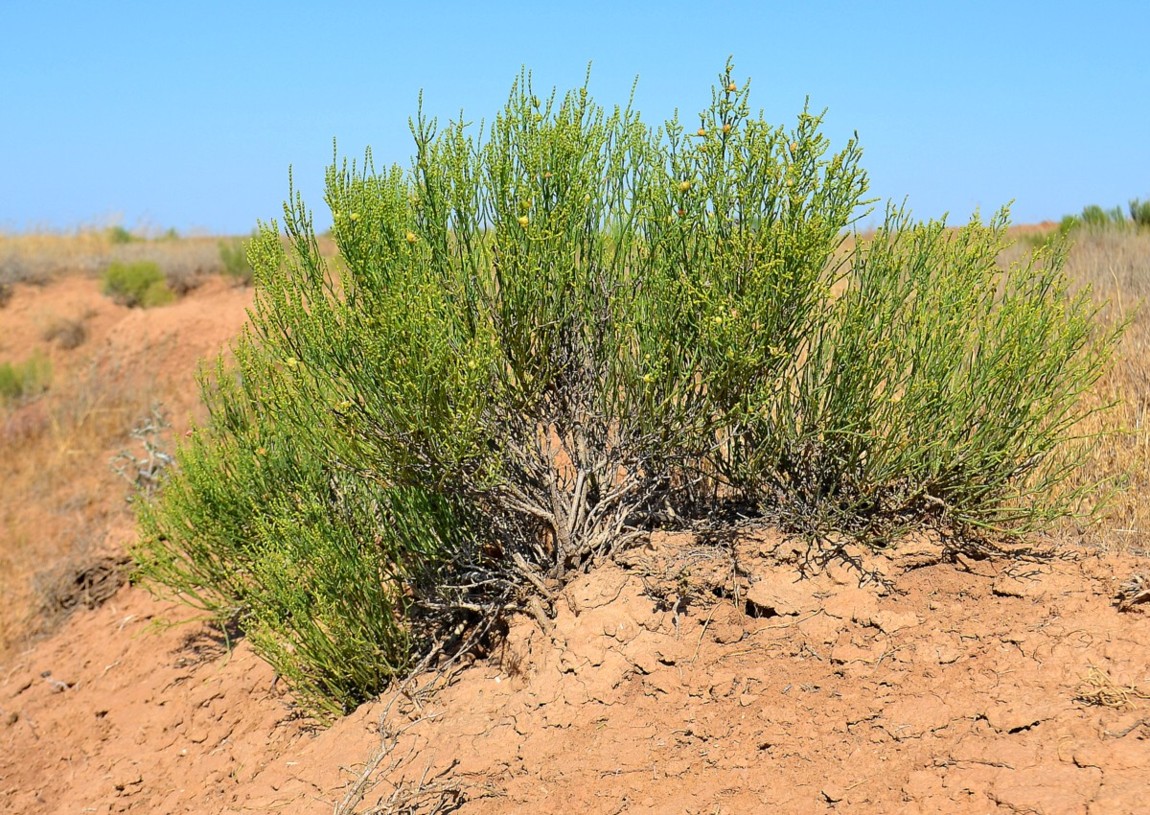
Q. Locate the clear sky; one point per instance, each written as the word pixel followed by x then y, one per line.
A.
pixel 188 115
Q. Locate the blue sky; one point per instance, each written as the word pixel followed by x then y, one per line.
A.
pixel 188 115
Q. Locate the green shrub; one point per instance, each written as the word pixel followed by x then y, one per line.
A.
pixel 119 235
pixel 234 257
pixel 1095 217
pixel 1140 212
pixel 137 284
pixel 543 342
pixel 158 293
pixel 23 380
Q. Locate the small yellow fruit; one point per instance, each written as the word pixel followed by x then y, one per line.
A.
pixel 684 186
pixel 726 128
pixel 411 237
pixel 702 131
pixel 354 216
pixel 524 220
pixel 732 87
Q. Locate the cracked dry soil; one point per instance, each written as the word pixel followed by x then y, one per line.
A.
pixel 681 679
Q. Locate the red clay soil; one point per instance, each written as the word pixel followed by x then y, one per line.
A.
pixel 683 678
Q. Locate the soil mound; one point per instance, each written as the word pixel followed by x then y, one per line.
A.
pixel 686 677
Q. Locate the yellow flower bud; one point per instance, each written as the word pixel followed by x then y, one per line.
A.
pixel 726 127
pixel 354 216
pixel 411 237
pixel 524 220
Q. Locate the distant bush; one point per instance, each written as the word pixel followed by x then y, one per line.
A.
pixel 119 235
pixel 1096 218
pixel 234 257
pixel 137 284
pixel 543 343
pixel 1140 212
pixel 68 333
pixel 23 380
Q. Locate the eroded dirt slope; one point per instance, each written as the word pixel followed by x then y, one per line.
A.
pixel 687 679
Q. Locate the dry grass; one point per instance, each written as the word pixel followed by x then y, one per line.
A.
pixel 1116 264
pixel 60 494
pixel 39 257
pixel 1097 688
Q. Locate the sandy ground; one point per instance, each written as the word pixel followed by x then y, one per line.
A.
pixel 684 678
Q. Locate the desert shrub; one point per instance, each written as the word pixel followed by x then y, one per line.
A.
pixel 323 568
pixel 182 277
pixel 1140 212
pixel 68 332
pixel 234 257
pixel 22 380
pixel 119 235
pixel 1095 217
pixel 544 341
pixel 158 293
pixel 137 284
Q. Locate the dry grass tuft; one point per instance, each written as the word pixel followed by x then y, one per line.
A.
pixel 1097 688
pixel 67 332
